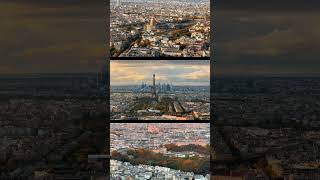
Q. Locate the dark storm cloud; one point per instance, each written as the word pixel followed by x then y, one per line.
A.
pixel 59 2
pixel 51 36
pixel 267 38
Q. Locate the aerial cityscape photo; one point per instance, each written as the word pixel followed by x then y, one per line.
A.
pixel 160 151
pixel 266 127
pixel 266 95
pixel 52 90
pixel 50 123
pixel 160 28
pixel 160 90
pixel 133 91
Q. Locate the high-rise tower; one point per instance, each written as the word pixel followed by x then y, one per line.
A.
pixel 154 93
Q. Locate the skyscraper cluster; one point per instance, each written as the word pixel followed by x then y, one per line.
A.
pixel 156 88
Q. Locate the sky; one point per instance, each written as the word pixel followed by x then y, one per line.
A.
pixel 189 72
pixel 51 36
pixel 267 37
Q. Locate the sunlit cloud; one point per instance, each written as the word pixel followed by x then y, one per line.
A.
pixel 136 72
pixel 201 74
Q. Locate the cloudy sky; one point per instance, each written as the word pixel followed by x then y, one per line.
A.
pixel 51 36
pixel 267 37
pixel 251 37
pixel 176 72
